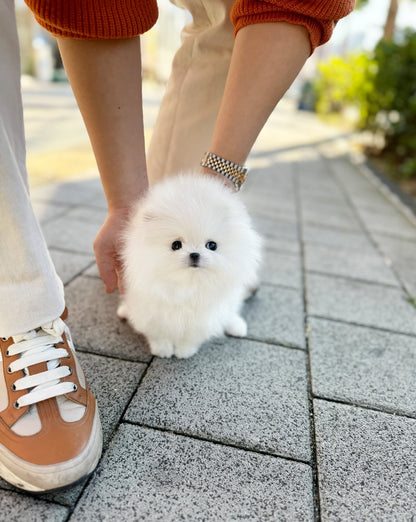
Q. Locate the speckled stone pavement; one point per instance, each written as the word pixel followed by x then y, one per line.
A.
pixel 313 415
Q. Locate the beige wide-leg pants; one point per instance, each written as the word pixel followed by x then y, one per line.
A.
pixel 194 91
pixel 31 293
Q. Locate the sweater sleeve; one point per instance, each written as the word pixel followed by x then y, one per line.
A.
pixel 95 19
pixel 318 16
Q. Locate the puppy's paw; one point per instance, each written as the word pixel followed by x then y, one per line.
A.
pixel 161 348
pixel 236 327
pixel 185 351
pixel 122 311
pixel 251 290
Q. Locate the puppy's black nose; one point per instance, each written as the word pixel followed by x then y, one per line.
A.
pixel 194 259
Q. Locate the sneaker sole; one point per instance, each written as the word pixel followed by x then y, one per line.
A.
pixel 32 477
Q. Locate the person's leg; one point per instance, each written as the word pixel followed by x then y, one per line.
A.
pixel 50 432
pixel 31 294
pixel 188 111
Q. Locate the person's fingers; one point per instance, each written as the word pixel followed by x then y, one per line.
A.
pixel 105 263
pixel 107 273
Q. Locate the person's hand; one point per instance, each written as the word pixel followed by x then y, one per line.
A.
pixel 107 249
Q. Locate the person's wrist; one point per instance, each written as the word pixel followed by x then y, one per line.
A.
pixel 124 203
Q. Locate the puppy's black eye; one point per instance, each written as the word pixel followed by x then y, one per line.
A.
pixel 176 245
pixel 211 245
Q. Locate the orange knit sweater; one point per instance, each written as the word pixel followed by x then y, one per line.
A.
pixel 95 19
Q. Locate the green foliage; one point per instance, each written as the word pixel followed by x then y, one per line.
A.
pixel 382 87
pixel 392 104
pixel 345 82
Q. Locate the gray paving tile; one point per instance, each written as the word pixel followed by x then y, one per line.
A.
pixel 402 253
pixel 407 273
pixel 281 269
pixel 365 264
pixel 283 207
pixel 240 392
pixel 69 233
pixel 95 326
pixel 348 174
pixel 389 223
pixel 281 212
pixel 367 464
pixel 336 238
pixel 113 383
pixel 92 271
pixel 363 366
pixel 326 205
pixel 18 507
pixel 275 229
pixel 362 303
pixel 282 245
pixel 88 214
pixel 167 477
pixel 69 264
pixel 71 192
pixel 275 314
pixel 323 196
pixel 318 187
pixel 396 248
pixel 45 211
pixel 370 199
pixel 342 218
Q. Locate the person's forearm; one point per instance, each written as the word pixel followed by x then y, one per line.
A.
pixel 266 59
pixel 105 76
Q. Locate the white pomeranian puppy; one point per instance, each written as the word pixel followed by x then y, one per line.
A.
pixel 190 258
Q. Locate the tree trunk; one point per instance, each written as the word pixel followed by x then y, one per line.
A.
pixel 391 20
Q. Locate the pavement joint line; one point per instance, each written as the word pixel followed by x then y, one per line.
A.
pixel 279 285
pixel 69 251
pixel 377 409
pixel 276 250
pixel 92 276
pixel 88 351
pixel 105 450
pixel 43 222
pixel 80 272
pixel 393 236
pixel 285 287
pixel 362 222
pixel 336 228
pixel 143 375
pixel 272 343
pixel 37 496
pixel 78 252
pixel 314 453
pixel 356 279
pixel 217 442
pixel 362 325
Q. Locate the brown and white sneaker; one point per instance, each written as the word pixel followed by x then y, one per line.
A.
pixel 50 431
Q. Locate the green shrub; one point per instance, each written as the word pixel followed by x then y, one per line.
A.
pixel 344 82
pixel 382 86
pixel 392 103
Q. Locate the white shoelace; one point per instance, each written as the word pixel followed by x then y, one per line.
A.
pixel 35 347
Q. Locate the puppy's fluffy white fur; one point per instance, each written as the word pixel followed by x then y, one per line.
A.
pixel 176 299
